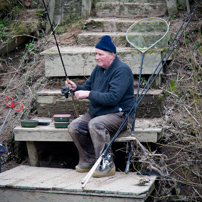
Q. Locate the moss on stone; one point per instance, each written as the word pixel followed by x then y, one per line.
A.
pixel 24 27
pixel 26 22
pixel 5 7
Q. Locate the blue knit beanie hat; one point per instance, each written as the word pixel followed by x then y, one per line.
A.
pixel 106 44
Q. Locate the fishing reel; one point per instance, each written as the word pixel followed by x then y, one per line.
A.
pixel 65 90
pixel 106 162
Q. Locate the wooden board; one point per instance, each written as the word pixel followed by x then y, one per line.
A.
pixel 51 182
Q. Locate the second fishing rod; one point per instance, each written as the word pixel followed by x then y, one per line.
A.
pixel 142 95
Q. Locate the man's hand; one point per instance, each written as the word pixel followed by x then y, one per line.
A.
pixel 82 94
pixel 72 86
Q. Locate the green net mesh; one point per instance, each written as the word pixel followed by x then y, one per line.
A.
pixel 147 33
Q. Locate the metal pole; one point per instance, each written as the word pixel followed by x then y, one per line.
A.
pixel 5 119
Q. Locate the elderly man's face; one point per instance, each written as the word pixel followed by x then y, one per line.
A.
pixel 104 58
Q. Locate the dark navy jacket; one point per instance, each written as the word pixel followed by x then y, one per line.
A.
pixel 111 90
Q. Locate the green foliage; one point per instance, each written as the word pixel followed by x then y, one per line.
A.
pixel 6 7
pixel 143 81
pixel 187 35
pixel 40 13
pixel 172 16
pixel 172 85
pixel 2 29
pixel 172 88
pixel 180 7
pixel 62 28
pixel 23 27
pixel 29 46
pixel 198 43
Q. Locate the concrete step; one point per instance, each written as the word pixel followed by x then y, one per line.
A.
pixel 130 10
pixel 119 38
pixel 108 24
pixel 80 61
pixel 28 183
pixel 111 24
pixel 133 1
pixel 146 130
pixel 50 102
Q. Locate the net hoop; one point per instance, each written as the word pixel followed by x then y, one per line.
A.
pixel 143 50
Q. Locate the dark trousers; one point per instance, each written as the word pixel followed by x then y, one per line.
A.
pixel 91 135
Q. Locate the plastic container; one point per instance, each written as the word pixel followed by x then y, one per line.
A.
pixel 61 124
pixel 29 123
pixel 62 117
pixel 43 122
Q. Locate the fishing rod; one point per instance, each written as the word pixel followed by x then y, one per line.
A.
pixel 134 107
pixel 64 89
pixel 148 84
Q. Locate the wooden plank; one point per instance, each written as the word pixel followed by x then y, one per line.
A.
pixel 67 182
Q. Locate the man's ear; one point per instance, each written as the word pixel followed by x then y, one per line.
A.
pixel 112 54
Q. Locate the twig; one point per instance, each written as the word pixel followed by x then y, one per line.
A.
pixel 54 29
pixel 20 4
pixel 24 35
pixel 8 73
pixel 197 192
pixel 169 92
pixel 191 115
pixel 18 68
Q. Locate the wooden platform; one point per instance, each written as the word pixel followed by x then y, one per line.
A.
pixel 28 183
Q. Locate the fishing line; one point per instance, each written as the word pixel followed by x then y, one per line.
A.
pixel 65 90
pixel 53 31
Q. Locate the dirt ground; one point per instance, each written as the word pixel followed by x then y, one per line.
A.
pixel 22 75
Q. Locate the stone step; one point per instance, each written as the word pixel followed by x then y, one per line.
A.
pixel 111 24
pixel 83 58
pixel 130 10
pixel 119 38
pixel 108 24
pixel 50 102
pixel 133 1
pixel 28 183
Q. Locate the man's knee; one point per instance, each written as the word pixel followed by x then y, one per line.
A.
pixel 71 128
pixel 95 124
pixel 78 127
pixel 98 131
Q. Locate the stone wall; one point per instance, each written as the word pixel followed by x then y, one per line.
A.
pixel 63 9
pixel 74 9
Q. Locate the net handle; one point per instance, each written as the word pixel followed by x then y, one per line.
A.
pixel 144 19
